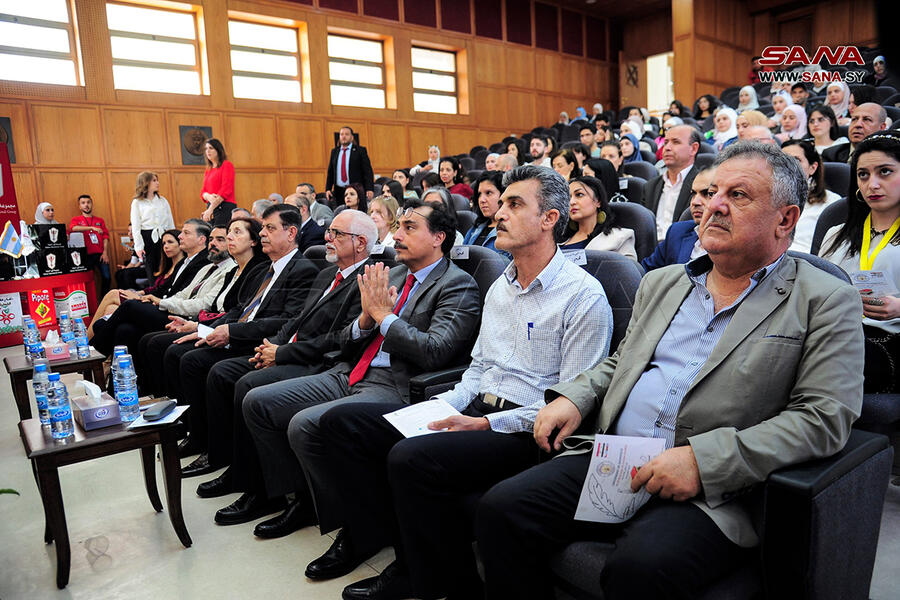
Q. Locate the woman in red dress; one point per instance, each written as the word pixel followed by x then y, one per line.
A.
pixel 218 184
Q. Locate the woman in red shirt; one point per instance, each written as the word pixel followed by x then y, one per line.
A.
pixel 218 184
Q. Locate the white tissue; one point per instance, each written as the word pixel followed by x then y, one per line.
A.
pixel 92 391
pixel 52 337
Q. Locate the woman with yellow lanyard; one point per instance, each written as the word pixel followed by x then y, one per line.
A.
pixel 867 246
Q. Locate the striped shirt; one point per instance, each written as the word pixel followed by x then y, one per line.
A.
pixel 654 401
pixel 533 338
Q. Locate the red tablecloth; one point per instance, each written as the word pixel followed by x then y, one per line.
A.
pixel 47 283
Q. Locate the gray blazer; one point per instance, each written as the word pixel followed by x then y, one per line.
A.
pixel 435 330
pixel 782 386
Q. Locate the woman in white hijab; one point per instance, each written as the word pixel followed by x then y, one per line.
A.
pixel 837 97
pixel 725 132
pixel 780 100
pixel 431 165
pixel 748 99
pixel 44 214
pixel 793 123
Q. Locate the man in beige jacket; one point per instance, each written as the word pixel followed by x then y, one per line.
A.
pixel 743 361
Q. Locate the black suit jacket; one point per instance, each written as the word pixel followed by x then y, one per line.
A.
pixel 311 234
pixel 654 188
pixel 284 300
pixel 839 153
pixel 320 322
pixel 190 271
pixel 359 169
pixel 435 330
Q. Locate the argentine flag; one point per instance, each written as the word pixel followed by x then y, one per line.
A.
pixel 10 242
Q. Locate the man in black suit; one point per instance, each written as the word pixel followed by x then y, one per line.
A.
pixel 420 316
pixel 296 350
pixel 865 119
pixel 311 233
pixel 193 241
pixel 280 295
pixel 349 163
pixel 667 195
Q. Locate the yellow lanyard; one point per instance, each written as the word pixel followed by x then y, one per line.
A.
pixel 865 260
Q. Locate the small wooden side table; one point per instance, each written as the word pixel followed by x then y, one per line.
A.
pixel 20 371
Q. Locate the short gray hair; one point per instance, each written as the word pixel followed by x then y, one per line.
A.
pixel 554 193
pixel 261 205
pixel 276 198
pixel 789 185
pixel 444 193
pixel 509 159
pixel 362 224
pixel 201 227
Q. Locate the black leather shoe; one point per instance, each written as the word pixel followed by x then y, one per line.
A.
pixel 337 560
pixel 248 507
pixel 200 466
pixel 188 447
pixel 392 584
pixel 219 486
pixel 294 518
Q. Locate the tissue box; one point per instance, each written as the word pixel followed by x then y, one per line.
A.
pixel 94 415
pixel 57 351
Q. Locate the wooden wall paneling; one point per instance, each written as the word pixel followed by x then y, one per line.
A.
pixel 705 17
pixel 490 63
pixel 332 127
pixel 741 67
pixel 520 67
pixel 459 141
pixel 251 185
pixel 548 72
pixel 67 135
pixel 61 189
pixel 21 131
pixel 420 138
pixel 26 193
pixel 596 84
pixel 725 21
pixel 289 180
pixel 300 143
pixel 864 28
pixel 705 60
pixel 389 147
pixel 121 192
pixel 548 109
pixel 490 108
pixel 723 59
pixel 682 72
pixel 135 137
pixel 635 95
pixel 743 28
pixel 648 35
pixel 682 18
pixel 251 140
pixel 214 40
pixel 521 109
pixel 763 32
pixel 184 194
pixel 573 77
pixel 175 119
pixel 96 50
pixel 831 23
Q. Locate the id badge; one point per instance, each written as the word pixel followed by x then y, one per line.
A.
pixel 93 237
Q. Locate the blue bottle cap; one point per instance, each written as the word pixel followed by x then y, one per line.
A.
pixel 41 367
pixel 79 320
pixel 124 361
pixel 54 376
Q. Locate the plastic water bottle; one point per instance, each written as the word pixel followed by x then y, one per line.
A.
pixel 32 339
pixel 40 381
pixel 66 334
pixel 61 424
pixel 114 366
pixel 126 390
pixel 25 321
pixel 81 340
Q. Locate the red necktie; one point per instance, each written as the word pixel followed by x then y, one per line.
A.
pixel 360 369
pixel 344 164
pixel 337 281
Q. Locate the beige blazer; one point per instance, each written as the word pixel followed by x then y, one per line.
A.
pixel 782 386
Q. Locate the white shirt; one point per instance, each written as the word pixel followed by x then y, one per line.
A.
pixel 837 142
pixel 806 224
pixel 278 266
pixel 697 251
pixel 665 210
pixel 345 273
pixel 184 263
pixel 544 162
pixel 150 215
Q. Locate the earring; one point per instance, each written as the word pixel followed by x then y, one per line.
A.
pixel 859 197
pixel 601 217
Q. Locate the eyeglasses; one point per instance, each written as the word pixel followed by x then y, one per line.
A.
pixel 705 193
pixel 337 233
pixel 406 212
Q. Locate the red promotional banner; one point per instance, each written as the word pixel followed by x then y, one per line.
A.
pixel 9 207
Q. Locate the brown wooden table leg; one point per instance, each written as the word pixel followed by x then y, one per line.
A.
pixel 149 463
pixel 48 535
pixel 19 382
pixel 172 477
pixel 51 495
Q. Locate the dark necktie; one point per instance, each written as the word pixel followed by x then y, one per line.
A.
pixel 245 316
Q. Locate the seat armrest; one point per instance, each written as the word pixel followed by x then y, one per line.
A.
pixel 331 358
pixel 425 385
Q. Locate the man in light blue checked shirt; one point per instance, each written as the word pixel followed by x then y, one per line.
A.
pixel 544 320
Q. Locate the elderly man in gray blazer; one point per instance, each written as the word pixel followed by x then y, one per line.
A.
pixel 743 361
pixel 420 316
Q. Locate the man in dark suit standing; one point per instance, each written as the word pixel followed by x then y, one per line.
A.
pixel 668 195
pixel 311 233
pixel 280 295
pixel 349 163
pixel 420 316
pixel 682 244
pixel 296 350
pixel 865 119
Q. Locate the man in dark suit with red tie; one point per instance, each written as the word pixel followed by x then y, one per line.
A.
pixel 349 163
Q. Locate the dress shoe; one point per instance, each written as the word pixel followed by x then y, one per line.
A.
pixel 200 466
pixel 337 560
pixel 219 486
pixel 297 516
pixel 392 584
pixel 188 447
pixel 248 507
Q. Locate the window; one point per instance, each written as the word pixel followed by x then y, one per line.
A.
pixel 37 42
pixel 434 81
pixel 154 49
pixel 265 61
pixel 356 69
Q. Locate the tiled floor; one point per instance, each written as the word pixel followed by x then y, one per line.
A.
pixel 121 548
